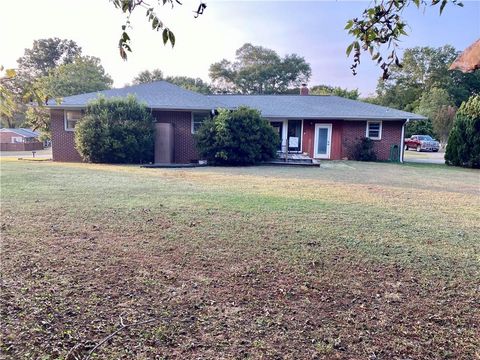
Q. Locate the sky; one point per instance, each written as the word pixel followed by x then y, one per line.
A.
pixel 312 29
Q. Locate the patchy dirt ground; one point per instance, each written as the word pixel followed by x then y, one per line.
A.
pixel 215 263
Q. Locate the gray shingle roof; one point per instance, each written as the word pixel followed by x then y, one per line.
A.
pixel 21 131
pixel 314 107
pixel 156 95
pixel 163 95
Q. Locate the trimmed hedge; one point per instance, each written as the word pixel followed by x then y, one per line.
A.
pixel 118 130
pixel 239 137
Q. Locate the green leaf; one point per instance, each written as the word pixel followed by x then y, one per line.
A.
pixel 349 49
pixel 349 24
pixel 444 3
pixel 10 73
pixel 165 36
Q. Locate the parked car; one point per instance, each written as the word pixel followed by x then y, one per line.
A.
pixel 422 143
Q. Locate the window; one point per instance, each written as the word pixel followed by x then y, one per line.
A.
pixel 197 120
pixel 17 139
pixel 374 130
pixel 71 118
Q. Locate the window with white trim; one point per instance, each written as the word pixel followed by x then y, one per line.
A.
pixel 374 130
pixel 71 118
pixel 17 139
pixel 197 120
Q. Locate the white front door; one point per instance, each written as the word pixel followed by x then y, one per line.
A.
pixel 323 139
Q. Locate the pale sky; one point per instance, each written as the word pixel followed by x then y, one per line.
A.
pixel 312 29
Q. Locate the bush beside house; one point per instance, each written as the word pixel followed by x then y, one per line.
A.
pixel 239 137
pixel 463 148
pixel 117 130
pixel 363 150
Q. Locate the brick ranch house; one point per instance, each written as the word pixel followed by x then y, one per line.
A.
pixel 19 139
pixel 322 126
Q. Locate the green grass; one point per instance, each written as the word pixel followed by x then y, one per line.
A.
pixel 241 262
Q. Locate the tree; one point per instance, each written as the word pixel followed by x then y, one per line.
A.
pixel 148 76
pixel 7 99
pixel 378 30
pixel 463 148
pixel 192 84
pixel 239 137
pixel 85 74
pixel 419 127
pixel 45 55
pixel 423 69
pixel 382 26
pixel 334 90
pixel 116 130
pixel 21 87
pixel 444 120
pixel 258 70
pixel 438 107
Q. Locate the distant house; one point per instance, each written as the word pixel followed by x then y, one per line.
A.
pixel 19 139
pixel 321 126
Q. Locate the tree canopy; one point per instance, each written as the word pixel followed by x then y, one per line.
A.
pixel 189 83
pixel 51 68
pixel 148 76
pixel 380 28
pixel 334 90
pixel 437 105
pixel 377 31
pixel 425 85
pixel 45 55
pixel 258 70
pixel 85 74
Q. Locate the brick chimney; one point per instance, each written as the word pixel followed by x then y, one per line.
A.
pixel 304 89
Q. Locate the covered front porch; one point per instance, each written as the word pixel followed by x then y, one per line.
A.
pixel 301 138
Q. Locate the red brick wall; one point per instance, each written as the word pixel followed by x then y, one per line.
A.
pixel 353 131
pixel 184 143
pixel 63 142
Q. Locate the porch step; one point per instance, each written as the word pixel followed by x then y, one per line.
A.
pixel 294 160
pixel 313 163
pixel 294 157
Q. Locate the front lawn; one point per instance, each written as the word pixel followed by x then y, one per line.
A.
pixel 350 260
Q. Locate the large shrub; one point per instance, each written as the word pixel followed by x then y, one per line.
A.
pixel 239 137
pixel 118 130
pixel 463 148
pixel 363 150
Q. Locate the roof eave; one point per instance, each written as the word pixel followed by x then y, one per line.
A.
pixel 351 118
